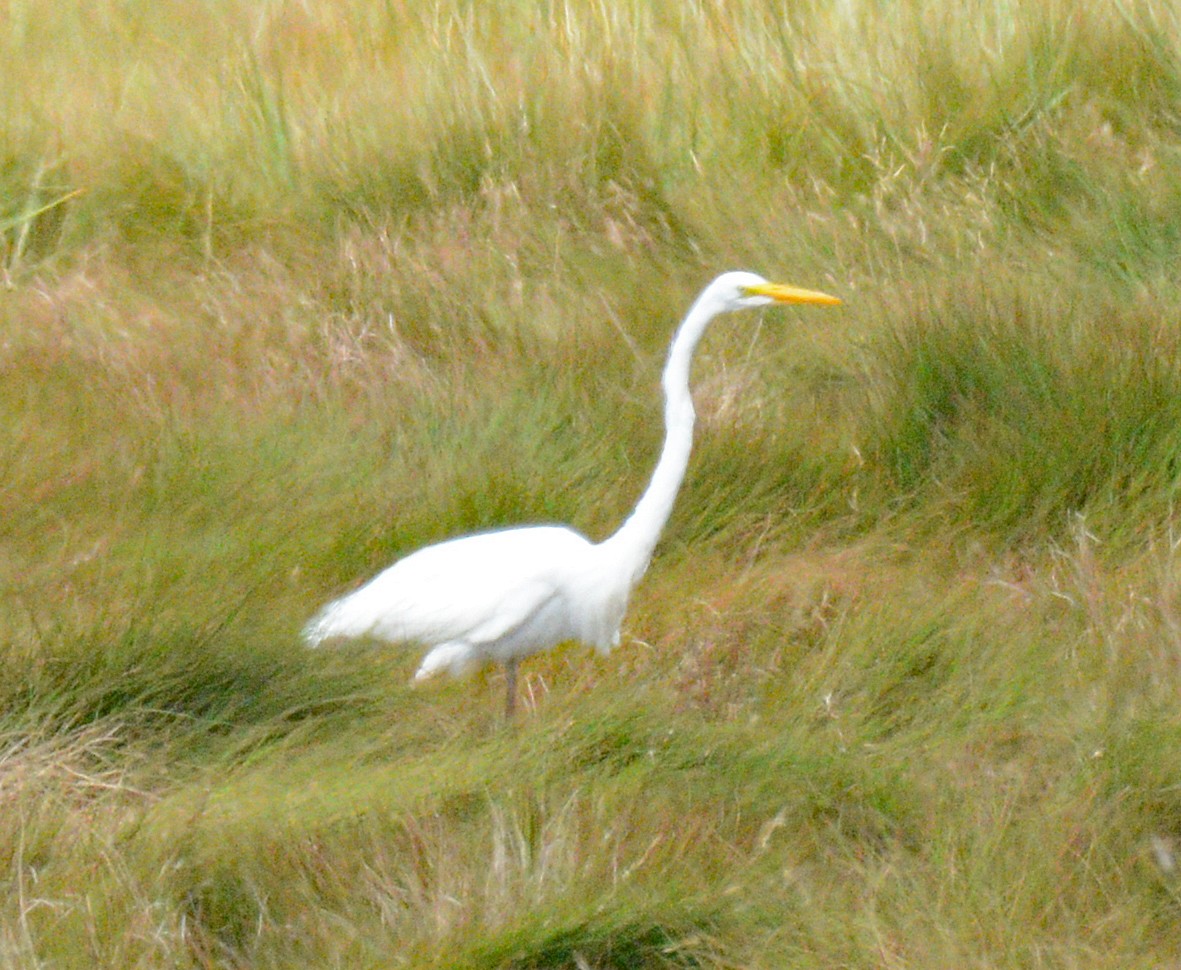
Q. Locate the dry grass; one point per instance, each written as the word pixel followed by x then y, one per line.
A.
pixel 291 288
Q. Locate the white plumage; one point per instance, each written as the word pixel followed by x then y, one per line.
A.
pixel 503 595
pixel 493 595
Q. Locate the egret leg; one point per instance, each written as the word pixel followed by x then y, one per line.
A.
pixel 510 681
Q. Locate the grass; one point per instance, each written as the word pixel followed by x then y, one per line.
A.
pixel 289 289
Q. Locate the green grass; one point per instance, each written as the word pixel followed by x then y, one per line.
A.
pixel 287 290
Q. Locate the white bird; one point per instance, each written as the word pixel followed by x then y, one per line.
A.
pixel 507 594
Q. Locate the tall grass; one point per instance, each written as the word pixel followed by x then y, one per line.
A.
pixel 289 289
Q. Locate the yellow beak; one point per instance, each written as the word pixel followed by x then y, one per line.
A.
pixel 791 294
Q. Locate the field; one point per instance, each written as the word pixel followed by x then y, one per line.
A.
pixel 290 288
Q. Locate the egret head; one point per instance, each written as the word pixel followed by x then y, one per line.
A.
pixel 740 290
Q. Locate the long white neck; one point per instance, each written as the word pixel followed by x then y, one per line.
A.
pixel 636 538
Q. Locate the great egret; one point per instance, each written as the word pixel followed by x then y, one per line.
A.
pixel 510 593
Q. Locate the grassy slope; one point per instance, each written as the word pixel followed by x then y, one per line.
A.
pixel 297 287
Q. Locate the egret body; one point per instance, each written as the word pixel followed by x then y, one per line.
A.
pixel 504 595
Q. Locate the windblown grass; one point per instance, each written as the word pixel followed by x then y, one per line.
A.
pixel 292 288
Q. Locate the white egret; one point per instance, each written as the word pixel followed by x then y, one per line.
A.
pixel 507 594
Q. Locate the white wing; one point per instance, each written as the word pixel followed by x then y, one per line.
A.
pixel 477 589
